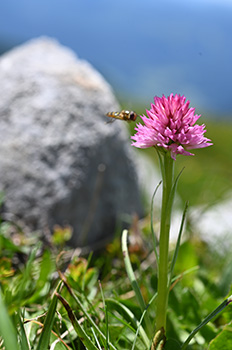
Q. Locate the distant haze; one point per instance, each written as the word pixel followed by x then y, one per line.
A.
pixel 143 48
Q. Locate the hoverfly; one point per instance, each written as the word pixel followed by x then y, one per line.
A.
pixel 123 115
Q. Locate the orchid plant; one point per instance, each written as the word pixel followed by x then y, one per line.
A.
pixel 53 302
pixel 170 128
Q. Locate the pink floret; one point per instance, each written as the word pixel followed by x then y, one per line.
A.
pixel 170 124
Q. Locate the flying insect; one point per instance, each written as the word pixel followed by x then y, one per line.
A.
pixel 123 115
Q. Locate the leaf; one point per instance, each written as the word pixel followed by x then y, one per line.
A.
pixel 223 341
pixel 7 330
pixel 81 307
pixel 172 344
pixel 46 266
pixel 78 328
pixel 187 257
pixel 106 317
pixel 141 319
pixel 6 269
pixel 214 313
pixel 26 276
pixel 174 186
pixel 61 234
pixel 132 278
pixel 48 324
pixel 177 244
pixel 152 228
pixel 115 305
pixel 23 337
pixel 95 337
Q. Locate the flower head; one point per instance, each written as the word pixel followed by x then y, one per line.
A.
pixel 170 124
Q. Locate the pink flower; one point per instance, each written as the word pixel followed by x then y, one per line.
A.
pixel 170 124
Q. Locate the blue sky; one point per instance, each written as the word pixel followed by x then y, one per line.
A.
pixel 143 48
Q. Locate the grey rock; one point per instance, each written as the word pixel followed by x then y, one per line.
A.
pixel 60 161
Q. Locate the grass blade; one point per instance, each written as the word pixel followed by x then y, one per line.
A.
pixel 130 271
pixel 179 277
pixel 221 307
pixel 78 328
pixel 7 330
pixel 152 228
pixel 115 305
pixel 95 337
pixel 173 191
pixel 23 337
pixel 26 277
pixel 106 317
pixel 49 320
pixel 86 314
pixel 178 243
pixel 141 320
pixel 46 267
pixel 132 279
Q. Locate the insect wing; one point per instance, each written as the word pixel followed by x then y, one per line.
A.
pixel 115 115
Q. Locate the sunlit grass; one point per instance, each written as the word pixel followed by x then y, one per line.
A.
pixel 78 310
pixel 47 298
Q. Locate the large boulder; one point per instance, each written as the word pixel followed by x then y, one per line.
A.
pixel 61 163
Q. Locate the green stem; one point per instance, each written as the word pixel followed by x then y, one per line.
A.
pixel 167 199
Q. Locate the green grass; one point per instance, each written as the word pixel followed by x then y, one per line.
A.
pixel 207 176
pixel 48 300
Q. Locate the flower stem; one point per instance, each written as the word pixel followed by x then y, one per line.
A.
pixel 167 168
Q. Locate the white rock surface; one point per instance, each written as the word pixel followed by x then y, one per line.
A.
pixel 214 224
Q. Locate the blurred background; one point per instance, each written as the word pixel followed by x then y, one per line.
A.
pixel 147 48
pixel 143 48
